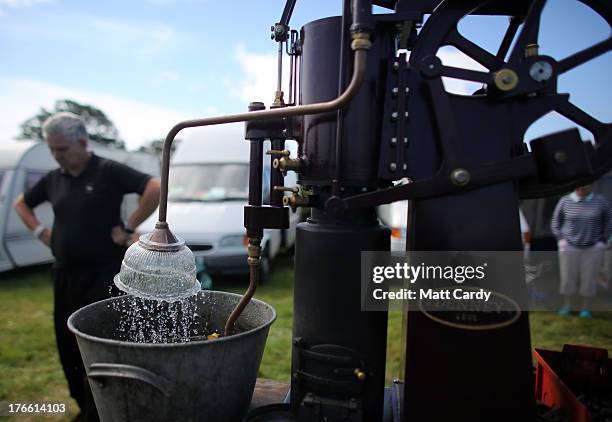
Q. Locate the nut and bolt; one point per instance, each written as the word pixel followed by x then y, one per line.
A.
pixel 460 177
pixel 560 157
pixel 392 167
pixel 256 106
pixel 505 80
pixel 394 116
pixel 540 71
pixel 361 376
pixel 393 141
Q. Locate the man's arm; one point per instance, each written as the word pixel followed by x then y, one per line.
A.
pixel 148 202
pixel 29 218
pixel 146 205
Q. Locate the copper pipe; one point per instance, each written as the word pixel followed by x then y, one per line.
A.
pixel 335 104
pixel 254 261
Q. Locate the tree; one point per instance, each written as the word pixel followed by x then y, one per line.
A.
pixel 100 128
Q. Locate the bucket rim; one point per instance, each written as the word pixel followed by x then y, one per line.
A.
pixel 200 343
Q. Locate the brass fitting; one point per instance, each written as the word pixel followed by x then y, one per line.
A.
pixel 505 80
pixel 295 201
pixel 293 189
pixel 286 164
pixel 283 153
pixel 531 50
pixel 361 41
pixel 279 101
pixel 361 376
pixel 254 251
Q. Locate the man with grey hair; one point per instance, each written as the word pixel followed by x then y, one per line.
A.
pixel 88 238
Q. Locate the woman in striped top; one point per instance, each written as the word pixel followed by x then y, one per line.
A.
pixel 582 223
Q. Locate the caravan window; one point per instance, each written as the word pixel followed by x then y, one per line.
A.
pixel 208 182
pixel 32 177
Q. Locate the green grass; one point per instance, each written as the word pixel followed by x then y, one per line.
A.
pixel 278 292
pixel 31 371
pixel 29 362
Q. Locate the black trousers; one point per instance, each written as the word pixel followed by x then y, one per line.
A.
pixel 74 288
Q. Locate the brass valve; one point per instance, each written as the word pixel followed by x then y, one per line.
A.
pixel 286 164
pixel 295 201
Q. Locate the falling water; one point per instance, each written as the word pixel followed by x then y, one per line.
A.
pixel 153 321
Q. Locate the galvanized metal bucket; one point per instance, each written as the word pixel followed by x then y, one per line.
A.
pixel 204 380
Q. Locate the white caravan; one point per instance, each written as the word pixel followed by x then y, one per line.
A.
pixel 22 164
pixel 208 189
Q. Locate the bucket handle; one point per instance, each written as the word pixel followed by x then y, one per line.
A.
pixel 100 371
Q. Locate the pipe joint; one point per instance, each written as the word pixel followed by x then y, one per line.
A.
pixel 361 41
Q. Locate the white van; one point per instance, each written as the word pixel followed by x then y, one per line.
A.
pixel 22 164
pixel 208 189
pixel 395 216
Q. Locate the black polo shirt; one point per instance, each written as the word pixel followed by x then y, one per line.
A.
pixel 86 208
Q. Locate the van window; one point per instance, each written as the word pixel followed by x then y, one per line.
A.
pixel 265 189
pixel 32 177
pixel 208 182
pixel 2 174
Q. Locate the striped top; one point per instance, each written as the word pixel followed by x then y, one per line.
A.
pixel 582 221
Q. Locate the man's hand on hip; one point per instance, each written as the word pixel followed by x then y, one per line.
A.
pixel 120 236
pixel 45 237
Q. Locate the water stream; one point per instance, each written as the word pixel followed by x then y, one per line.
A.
pixel 156 321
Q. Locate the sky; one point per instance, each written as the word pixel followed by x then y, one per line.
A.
pixel 151 63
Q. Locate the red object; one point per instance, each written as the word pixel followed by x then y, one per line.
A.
pixel 576 370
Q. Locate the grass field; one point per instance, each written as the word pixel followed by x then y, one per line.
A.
pixel 31 371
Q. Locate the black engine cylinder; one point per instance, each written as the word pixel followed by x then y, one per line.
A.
pixel 361 119
pixel 333 339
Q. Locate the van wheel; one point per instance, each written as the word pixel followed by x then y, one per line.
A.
pixel 265 267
